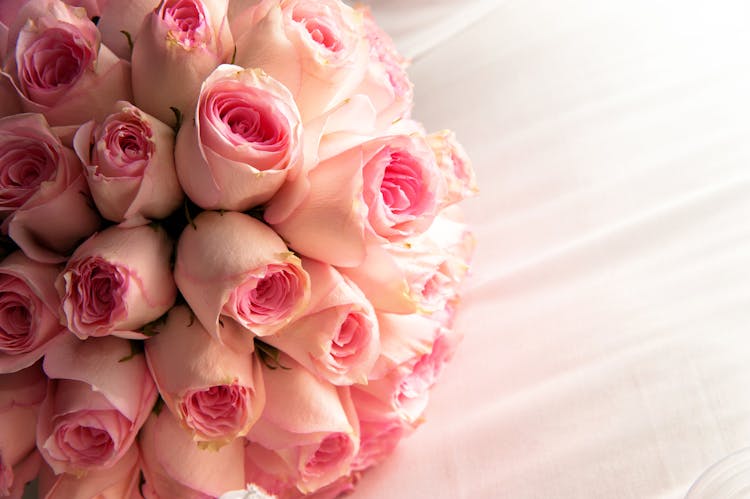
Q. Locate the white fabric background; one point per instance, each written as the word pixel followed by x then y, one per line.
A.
pixel 607 319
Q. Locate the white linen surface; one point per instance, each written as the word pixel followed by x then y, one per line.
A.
pixel 606 352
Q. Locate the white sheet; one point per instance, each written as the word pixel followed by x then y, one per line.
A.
pixel 607 320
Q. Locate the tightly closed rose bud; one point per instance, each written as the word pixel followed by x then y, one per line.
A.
pixel 29 307
pixel 317 49
pixel 232 267
pixel 309 424
pixel 129 165
pixel 118 482
pixel 337 338
pixel 244 142
pixel 58 66
pixel 178 46
pixel 384 189
pixel 460 180
pixel 21 394
pixel 99 396
pixel 117 281
pixel 44 200
pixel 173 466
pixel 213 390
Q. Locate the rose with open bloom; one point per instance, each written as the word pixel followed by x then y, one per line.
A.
pixel 174 466
pixel 21 394
pixel 44 201
pixel 58 66
pixel 99 396
pixel 214 390
pixel 129 165
pixel 309 424
pixel 385 189
pixel 315 48
pixel 29 306
pixel 117 281
pixel 231 267
pixel 179 44
pixel 337 338
pixel 245 140
pixel 118 482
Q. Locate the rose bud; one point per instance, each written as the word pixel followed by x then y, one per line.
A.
pixel 460 180
pixel 414 350
pixel 385 82
pixel 309 423
pixel 216 392
pixel 99 396
pixel 337 338
pixel 44 199
pixel 118 482
pixel 179 44
pixel 29 307
pixel 243 143
pixel 117 281
pixel 129 166
pixel 317 49
pixel 118 18
pixel 21 394
pixel 174 466
pixel 382 190
pixel 59 67
pixel 230 267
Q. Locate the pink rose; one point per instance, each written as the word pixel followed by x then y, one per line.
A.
pixel 21 393
pixel 118 482
pixel 243 143
pixel 99 397
pixel 309 424
pixel 337 338
pixel 213 390
pixel 58 66
pixel 29 307
pixel 129 165
pixel 175 467
pixel 232 267
pixel 179 44
pixel 44 198
pixel 117 281
pixel 455 164
pixel 382 190
pixel 385 82
pixel 117 17
pixel 317 49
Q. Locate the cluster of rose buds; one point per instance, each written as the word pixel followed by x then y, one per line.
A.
pixel 230 256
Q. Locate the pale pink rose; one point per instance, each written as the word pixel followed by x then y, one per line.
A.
pixel 243 143
pixel 382 190
pixel 92 7
pixel 337 338
pixel 385 82
pixel 215 391
pixel 117 17
pixel 179 44
pixel 44 200
pixel 29 305
pixel 414 351
pixel 231 267
pixel 425 271
pixel 175 467
pixel 129 165
pixel 460 180
pixel 118 482
pixel 21 394
pixel 117 281
pixel 317 49
pixel 309 423
pixel 99 396
pixel 59 67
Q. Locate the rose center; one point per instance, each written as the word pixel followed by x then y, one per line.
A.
pixel 24 165
pixel 402 187
pixel 186 22
pixel 56 59
pixel 320 28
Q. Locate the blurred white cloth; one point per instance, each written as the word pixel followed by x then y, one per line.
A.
pixel 607 320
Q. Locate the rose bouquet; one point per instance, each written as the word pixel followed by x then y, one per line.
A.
pixel 229 256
